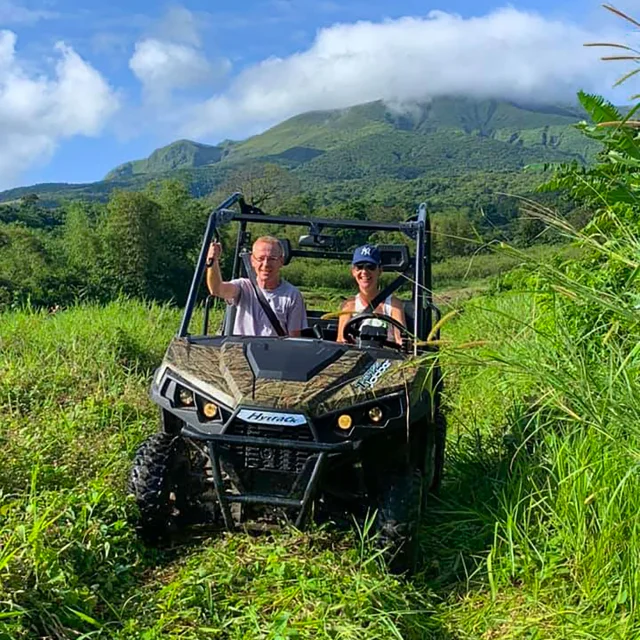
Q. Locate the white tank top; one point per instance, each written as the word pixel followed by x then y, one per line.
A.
pixel 374 322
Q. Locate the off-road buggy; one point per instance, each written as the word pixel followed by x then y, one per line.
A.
pixel 257 430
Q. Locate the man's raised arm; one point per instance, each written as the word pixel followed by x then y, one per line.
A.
pixel 215 284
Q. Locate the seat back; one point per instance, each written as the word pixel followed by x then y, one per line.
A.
pixel 328 329
pixel 285 243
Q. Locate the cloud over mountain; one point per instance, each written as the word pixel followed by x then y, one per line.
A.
pixel 506 54
pixel 163 66
pixel 171 58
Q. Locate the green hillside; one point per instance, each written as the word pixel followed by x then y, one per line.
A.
pixel 183 153
pixel 373 141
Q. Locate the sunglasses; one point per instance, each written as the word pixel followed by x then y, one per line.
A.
pixel 268 259
pixel 365 266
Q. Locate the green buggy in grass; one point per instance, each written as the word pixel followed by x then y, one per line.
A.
pixel 257 431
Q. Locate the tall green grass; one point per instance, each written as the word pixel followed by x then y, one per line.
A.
pixel 74 403
pixel 533 535
pixel 540 510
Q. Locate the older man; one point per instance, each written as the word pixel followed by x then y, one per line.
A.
pixel 283 298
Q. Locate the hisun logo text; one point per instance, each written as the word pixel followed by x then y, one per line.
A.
pixel 372 375
pixel 271 417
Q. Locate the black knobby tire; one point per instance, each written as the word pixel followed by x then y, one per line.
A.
pixel 158 481
pixel 398 520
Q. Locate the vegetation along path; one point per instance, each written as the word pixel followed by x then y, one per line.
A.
pixel 532 535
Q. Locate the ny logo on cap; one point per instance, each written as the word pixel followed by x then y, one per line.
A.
pixel 366 251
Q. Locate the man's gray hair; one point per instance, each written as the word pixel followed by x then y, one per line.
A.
pixel 269 240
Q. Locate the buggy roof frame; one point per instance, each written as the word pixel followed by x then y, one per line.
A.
pixel 417 229
pixel 319 223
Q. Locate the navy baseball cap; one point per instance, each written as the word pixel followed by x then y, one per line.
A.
pixel 366 253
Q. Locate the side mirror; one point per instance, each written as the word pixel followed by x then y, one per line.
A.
pixel 316 240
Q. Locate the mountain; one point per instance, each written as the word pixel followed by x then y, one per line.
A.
pixel 177 155
pixel 364 145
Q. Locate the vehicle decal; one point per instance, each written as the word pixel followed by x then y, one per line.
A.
pixel 271 417
pixel 372 375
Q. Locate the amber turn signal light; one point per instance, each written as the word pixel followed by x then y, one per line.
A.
pixel 210 410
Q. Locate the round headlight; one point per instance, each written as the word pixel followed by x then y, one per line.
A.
pixel 345 421
pixel 210 410
pixel 185 396
pixel 375 414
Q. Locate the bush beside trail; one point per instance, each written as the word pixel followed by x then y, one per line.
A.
pixel 541 513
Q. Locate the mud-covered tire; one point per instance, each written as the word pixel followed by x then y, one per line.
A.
pixel 159 483
pixel 398 520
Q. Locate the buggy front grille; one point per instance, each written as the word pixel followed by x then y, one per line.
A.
pixel 269 458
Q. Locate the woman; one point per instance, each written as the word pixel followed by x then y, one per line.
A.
pixel 366 269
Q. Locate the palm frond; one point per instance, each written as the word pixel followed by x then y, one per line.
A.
pixel 598 108
pixel 621 14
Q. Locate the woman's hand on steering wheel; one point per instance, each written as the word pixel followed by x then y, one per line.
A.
pixel 352 328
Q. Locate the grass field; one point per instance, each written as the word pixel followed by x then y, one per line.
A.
pixel 533 536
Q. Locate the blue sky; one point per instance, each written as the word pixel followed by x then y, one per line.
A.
pixel 84 87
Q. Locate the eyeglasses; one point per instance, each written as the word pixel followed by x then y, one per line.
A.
pixel 263 259
pixel 366 266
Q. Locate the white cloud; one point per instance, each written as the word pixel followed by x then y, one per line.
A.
pixel 179 25
pixel 36 112
pixel 164 66
pixel 14 13
pixel 506 54
pixel 171 57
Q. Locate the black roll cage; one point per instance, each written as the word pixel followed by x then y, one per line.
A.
pixel 417 228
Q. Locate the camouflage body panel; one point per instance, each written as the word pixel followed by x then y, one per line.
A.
pixel 224 373
pixel 402 376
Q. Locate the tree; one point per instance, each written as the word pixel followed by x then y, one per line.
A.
pixel 261 184
pixel 80 240
pixel 132 243
pixel 26 267
pixel 182 221
pixel 453 234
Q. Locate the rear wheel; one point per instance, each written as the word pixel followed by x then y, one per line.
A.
pixel 398 519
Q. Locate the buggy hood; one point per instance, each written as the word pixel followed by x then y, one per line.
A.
pixel 314 376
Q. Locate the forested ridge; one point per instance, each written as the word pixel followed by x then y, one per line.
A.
pixel 137 232
pixel 353 150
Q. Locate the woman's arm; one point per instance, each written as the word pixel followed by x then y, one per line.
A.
pixel 348 305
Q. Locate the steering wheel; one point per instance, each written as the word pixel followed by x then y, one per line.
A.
pixel 352 327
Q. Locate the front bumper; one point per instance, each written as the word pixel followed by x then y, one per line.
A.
pixel 291 469
pixel 263 457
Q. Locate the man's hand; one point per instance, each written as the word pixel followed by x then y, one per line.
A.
pixel 213 255
pixel 215 284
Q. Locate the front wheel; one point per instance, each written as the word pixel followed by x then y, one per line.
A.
pixel 159 481
pixel 398 519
